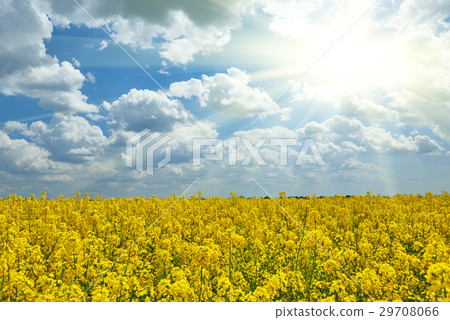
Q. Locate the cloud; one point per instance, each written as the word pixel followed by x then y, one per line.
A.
pixel 338 136
pixel 304 91
pixel 202 13
pixel 353 163
pixel 352 106
pixel 181 140
pixel 93 162
pixel 76 63
pixel 27 69
pixel 21 157
pixel 395 56
pixel 103 45
pixel 145 109
pixel 425 144
pixel 52 159
pixel 184 39
pixel 352 169
pixel 90 77
pixel 229 93
pixel 187 28
pixel 344 133
pixel 412 13
pixel 67 138
pixel 318 20
pixel 57 86
pixel 181 39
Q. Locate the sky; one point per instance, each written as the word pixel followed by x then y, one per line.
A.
pixel 365 84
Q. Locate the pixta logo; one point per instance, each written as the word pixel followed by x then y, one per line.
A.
pixel 213 150
pixel 142 149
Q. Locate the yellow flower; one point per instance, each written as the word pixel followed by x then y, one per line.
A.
pixel 225 249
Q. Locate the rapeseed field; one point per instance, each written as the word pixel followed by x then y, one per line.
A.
pixel 359 248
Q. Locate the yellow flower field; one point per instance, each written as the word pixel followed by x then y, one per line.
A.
pixel 226 249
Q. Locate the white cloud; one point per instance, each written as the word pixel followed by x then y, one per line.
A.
pixel 318 20
pixel 352 169
pixel 27 69
pixel 90 77
pixel 145 109
pixel 352 106
pixel 184 39
pixel 76 63
pixel 354 163
pixel 182 135
pixel 189 89
pixel 20 157
pixel 57 86
pixel 340 135
pixel 229 93
pixel 55 156
pixel 103 45
pixel 187 28
pixel 339 129
pixel 303 91
pixel 425 144
pixel 413 13
pixel 202 13
pixel 67 138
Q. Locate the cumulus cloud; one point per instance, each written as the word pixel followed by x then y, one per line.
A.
pixel 57 86
pixel 352 106
pixel 27 69
pixel 412 13
pixel 20 156
pixel 184 39
pixel 339 136
pixel 201 12
pixel 181 144
pixel 35 163
pixel 352 169
pixel 229 93
pixel 353 164
pixel 145 109
pixel 66 138
pixel 343 133
pixel 186 27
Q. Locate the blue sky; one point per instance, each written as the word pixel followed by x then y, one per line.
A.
pixel 368 82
